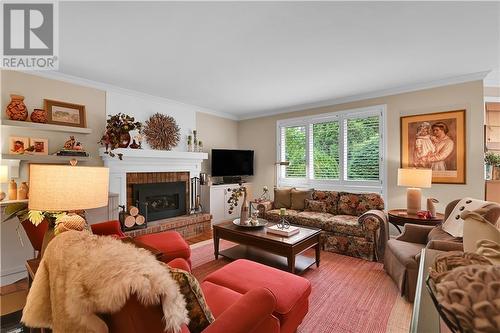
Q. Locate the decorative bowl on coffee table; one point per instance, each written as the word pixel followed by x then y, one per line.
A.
pixel 260 223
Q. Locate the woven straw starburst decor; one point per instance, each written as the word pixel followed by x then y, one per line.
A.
pixel 161 132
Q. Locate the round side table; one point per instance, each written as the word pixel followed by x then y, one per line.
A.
pixel 399 217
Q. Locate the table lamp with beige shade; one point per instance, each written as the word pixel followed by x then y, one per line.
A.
pixel 414 179
pixel 4 178
pixel 64 188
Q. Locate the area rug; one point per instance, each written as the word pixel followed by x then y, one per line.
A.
pixel 349 295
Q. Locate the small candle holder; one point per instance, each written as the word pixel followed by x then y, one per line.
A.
pixel 283 222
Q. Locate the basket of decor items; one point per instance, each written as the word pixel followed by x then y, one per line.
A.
pixel 465 288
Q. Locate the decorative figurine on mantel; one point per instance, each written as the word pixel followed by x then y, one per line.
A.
pixel 190 143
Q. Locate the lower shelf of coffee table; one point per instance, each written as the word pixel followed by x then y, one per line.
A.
pixel 302 262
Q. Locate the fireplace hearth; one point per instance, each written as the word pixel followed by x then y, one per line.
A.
pixel 160 200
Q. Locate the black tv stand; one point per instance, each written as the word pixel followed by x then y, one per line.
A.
pixel 231 179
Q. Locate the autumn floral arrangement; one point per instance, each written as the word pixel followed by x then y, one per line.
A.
pixel 117 133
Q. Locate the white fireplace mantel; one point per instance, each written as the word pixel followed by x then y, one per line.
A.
pixel 147 160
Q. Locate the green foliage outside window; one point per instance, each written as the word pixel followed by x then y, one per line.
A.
pixel 362 143
pixel 295 151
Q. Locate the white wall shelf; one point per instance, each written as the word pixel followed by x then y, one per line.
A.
pixel 43 158
pixel 45 127
pixel 6 202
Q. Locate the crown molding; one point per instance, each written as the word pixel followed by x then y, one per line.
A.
pixel 353 98
pixel 374 94
pixel 112 88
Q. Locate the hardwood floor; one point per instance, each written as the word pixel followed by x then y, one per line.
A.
pixel 200 238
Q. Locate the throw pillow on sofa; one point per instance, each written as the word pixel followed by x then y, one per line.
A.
pixel 282 197
pixel 298 198
pixel 357 204
pixel 330 198
pixel 315 206
pixel 200 316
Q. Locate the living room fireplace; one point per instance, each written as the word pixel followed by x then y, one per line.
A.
pixel 166 193
pixel 163 200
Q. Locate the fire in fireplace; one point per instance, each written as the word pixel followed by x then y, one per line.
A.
pixel 162 200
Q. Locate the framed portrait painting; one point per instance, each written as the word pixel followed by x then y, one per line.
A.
pixel 435 141
pixel 67 114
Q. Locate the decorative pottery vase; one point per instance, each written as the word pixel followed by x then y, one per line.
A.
pixel 16 110
pixel 124 140
pixel 12 190
pixel 39 116
pixel 244 210
pixel 22 191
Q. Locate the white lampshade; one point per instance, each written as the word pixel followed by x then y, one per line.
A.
pixel 66 188
pixel 4 173
pixel 420 178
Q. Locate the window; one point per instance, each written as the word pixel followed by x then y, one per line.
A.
pixel 340 151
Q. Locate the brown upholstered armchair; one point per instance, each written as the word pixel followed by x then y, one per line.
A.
pixel 402 254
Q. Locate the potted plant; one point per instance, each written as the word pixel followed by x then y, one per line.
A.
pixel 21 211
pixel 236 193
pixel 117 134
pixel 492 163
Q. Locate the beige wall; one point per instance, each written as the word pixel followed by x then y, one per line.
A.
pixel 492 91
pixel 35 89
pixel 260 135
pixel 215 132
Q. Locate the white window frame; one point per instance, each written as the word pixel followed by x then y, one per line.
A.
pixel 342 184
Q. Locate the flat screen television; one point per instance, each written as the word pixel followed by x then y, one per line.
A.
pixel 229 162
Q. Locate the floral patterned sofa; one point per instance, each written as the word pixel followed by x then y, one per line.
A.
pixel 352 224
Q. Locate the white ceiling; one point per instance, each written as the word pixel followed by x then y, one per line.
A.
pixel 248 58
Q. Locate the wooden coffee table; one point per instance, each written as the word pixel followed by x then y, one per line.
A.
pixel 269 249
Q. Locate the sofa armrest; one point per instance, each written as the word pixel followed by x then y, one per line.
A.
pixel 375 223
pixel 108 228
pixel 263 207
pixel 443 245
pixel 373 219
pixel 415 233
pixel 250 310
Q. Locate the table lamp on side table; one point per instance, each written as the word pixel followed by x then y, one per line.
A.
pixel 65 188
pixel 414 179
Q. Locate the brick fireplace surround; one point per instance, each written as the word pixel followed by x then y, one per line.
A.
pixel 187 225
pixel 155 166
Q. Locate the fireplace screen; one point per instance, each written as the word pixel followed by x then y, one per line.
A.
pixel 163 200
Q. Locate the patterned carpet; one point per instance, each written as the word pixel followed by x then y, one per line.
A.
pixel 349 295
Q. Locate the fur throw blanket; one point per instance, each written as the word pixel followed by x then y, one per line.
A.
pixel 82 274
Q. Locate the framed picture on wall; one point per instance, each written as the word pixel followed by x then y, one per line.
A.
pixel 67 114
pixel 18 145
pixel 39 146
pixel 435 141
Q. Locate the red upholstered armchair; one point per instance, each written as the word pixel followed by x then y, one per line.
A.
pixel 233 312
pixel 109 228
pixel 170 243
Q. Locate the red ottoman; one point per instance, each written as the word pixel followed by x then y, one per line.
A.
pixel 170 243
pixel 291 291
